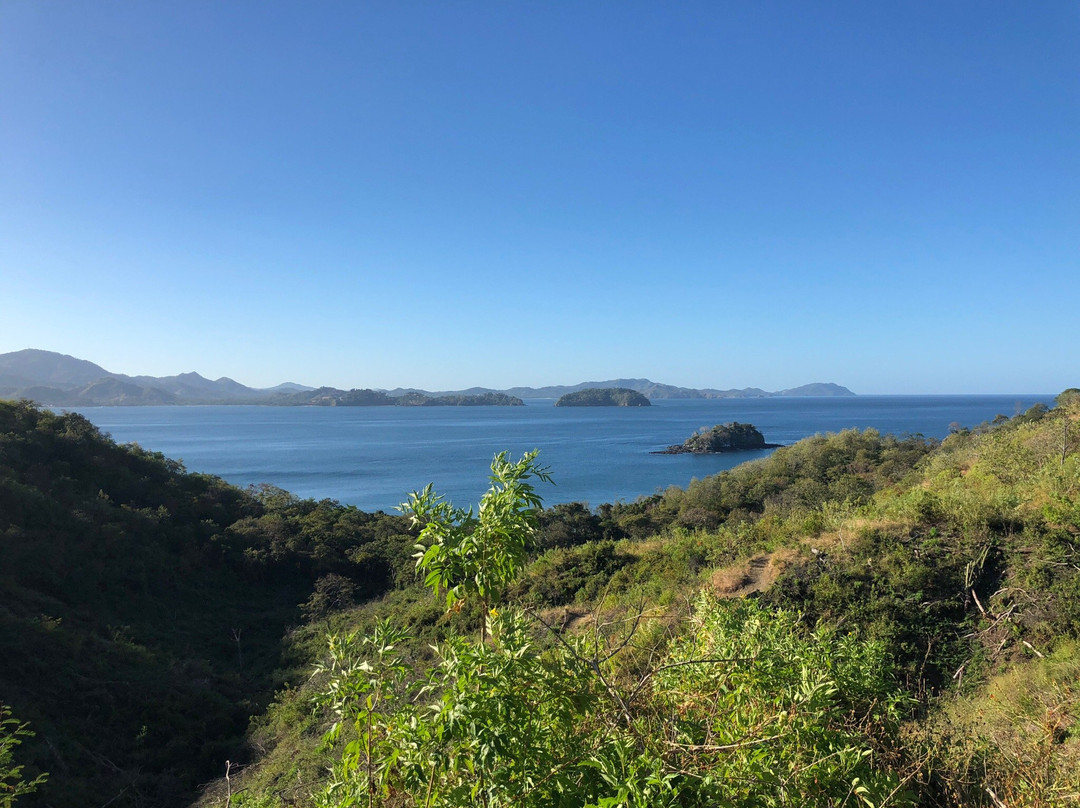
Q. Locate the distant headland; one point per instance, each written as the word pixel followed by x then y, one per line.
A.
pixel 59 380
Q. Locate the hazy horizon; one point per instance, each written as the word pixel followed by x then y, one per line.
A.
pixel 487 195
pixel 315 384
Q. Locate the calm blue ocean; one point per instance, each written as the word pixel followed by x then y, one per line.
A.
pixel 373 456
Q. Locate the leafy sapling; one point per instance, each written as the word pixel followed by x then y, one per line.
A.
pixel 465 554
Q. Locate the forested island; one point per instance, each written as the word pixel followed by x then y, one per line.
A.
pixel 730 437
pixel 897 618
pixel 604 397
pixel 460 400
pixel 332 397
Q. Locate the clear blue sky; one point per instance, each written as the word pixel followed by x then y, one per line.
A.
pixel 447 194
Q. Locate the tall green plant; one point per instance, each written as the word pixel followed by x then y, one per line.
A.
pixel 497 723
pixel 371 695
pixel 467 554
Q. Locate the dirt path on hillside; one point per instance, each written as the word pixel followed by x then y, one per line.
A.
pixel 742 580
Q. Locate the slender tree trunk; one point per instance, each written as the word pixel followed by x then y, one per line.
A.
pixel 483 621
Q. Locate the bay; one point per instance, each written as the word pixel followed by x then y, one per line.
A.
pixel 372 457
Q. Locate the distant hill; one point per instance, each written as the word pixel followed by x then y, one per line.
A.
pixel 60 380
pixel 816 389
pixel 47 369
pixel 288 387
pixel 117 391
pixel 194 386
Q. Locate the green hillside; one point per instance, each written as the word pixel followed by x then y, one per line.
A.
pixel 142 608
pixel 856 620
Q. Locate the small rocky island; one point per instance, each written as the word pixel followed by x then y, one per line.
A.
pixel 604 397
pixel 733 437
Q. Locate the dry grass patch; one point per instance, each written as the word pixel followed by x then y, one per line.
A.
pixel 638 548
pixel 755 575
pixel 728 580
pixel 884 524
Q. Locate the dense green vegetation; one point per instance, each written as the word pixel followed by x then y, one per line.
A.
pixel 856 620
pixel 142 608
pixel 604 397
pixel 730 437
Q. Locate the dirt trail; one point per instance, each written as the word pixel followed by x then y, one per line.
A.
pixel 741 580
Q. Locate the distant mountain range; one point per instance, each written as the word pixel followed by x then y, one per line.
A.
pixel 655 390
pixel 60 380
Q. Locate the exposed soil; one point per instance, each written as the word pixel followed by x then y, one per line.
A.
pixel 756 575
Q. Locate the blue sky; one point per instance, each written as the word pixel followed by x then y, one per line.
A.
pixel 441 195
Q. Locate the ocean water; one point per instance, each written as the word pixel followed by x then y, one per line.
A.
pixel 373 457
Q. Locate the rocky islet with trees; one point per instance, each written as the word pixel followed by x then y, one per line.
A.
pixel 729 437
